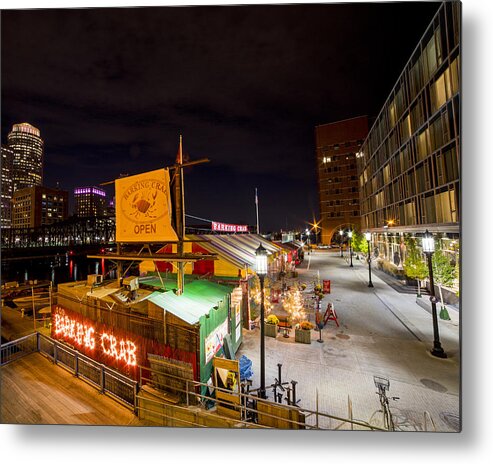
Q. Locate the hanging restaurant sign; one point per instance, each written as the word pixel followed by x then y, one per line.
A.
pixel 143 208
pixel 220 227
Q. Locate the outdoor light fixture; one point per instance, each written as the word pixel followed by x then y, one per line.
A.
pixel 350 235
pixel 368 240
pixel 341 233
pixel 261 268
pixel 428 244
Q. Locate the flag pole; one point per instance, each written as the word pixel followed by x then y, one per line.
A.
pixel 256 207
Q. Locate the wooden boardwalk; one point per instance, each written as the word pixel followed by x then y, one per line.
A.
pixel 35 391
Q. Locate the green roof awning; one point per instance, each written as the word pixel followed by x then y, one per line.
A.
pixel 198 299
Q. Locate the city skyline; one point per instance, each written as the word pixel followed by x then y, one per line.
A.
pixel 117 101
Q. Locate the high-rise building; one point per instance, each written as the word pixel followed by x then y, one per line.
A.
pixel 336 147
pixel 37 206
pixel 28 146
pixel 90 202
pixel 7 186
pixel 409 164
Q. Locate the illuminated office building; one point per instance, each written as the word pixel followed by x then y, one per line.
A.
pixel 28 146
pixel 7 185
pixel 90 202
pixel 409 164
pixel 37 206
pixel 336 147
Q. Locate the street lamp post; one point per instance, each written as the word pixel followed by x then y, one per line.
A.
pixel 368 239
pixel 350 235
pixel 429 249
pixel 261 268
pixel 341 233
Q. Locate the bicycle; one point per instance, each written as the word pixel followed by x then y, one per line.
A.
pixel 383 386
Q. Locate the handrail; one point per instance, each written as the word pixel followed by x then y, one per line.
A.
pixel 246 398
pixel 246 404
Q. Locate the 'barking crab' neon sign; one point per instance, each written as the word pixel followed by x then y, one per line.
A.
pixel 85 336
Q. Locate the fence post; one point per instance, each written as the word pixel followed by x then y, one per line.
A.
pixel 102 378
pixel 136 411
pixel 38 342
pixel 350 411
pixel 76 373
pixel 55 353
pixel 316 412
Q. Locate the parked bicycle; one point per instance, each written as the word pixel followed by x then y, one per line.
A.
pixel 383 386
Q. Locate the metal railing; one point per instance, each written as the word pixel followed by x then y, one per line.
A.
pixel 126 391
pixel 19 348
pixel 106 380
pixel 247 406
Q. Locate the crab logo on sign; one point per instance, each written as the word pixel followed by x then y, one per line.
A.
pixel 144 208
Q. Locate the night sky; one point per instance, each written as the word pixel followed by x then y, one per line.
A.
pixel 111 90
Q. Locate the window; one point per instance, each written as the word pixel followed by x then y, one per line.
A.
pixel 438 93
pixel 451 165
pixel 422 145
pixel 445 207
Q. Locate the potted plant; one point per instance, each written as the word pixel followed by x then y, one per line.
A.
pixel 270 326
pixel 303 332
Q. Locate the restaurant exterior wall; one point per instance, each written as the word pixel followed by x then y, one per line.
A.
pixel 220 322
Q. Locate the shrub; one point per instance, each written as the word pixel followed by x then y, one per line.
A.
pixel 272 319
pixel 306 325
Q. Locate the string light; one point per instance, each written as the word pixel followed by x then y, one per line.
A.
pixel 293 304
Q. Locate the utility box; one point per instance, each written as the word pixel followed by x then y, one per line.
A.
pixel 94 279
pixel 131 283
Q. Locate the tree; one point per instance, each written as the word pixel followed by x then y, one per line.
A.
pixel 444 274
pixel 415 266
pixel 359 242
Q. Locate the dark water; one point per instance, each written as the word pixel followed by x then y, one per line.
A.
pixel 58 269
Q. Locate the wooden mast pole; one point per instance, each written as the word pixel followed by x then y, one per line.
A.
pixel 180 219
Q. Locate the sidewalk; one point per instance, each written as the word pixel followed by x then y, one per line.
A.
pixel 382 332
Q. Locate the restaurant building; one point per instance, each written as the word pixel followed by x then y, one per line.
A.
pixel 144 323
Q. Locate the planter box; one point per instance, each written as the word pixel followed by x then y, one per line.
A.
pixel 270 330
pixel 303 336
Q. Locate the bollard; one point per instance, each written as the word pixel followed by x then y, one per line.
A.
pixel 293 383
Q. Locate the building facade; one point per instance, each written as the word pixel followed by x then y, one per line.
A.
pixel 7 186
pixel 37 206
pixel 336 147
pixel 28 147
pixel 409 165
pixel 90 202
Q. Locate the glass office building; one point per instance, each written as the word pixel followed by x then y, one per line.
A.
pixel 90 202
pixel 28 147
pixel 7 185
pixel 408 166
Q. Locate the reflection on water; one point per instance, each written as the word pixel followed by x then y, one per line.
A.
pixel 59 269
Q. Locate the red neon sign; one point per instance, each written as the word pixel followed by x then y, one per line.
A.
pixel 85 336
pixel 221 227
